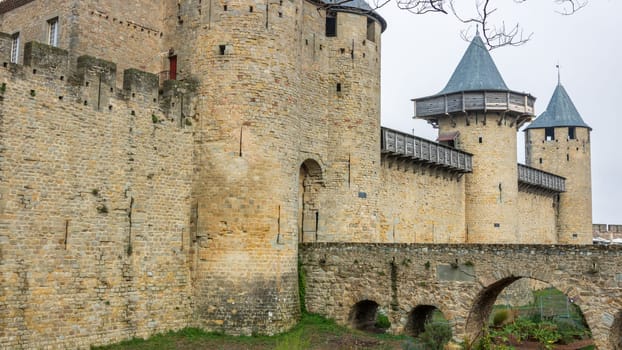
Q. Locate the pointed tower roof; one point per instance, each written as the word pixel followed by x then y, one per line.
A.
pixel 476 71
pixel 476 85
pixel 559 112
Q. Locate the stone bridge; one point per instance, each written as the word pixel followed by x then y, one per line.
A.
pixel 349 281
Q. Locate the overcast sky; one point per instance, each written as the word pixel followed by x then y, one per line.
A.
pixel 419 53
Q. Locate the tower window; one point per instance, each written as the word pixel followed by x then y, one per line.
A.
pixel 540 160
pixel 549 134
pixel 15 47
pixel 572 133
pixel 222 49
pixel 480 139
pixel 53 31
pixel 338 87
pixel 331 24
pixel 371 30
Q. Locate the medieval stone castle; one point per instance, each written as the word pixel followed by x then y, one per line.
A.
pixel 160 162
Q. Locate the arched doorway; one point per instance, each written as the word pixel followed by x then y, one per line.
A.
pixel 309 183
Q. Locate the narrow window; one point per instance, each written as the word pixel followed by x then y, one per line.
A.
pixel 172 67
pixel 250 9
pixel 371 30
pixel 331 24
pixel 572 133
pixel 480 139
pixel 567 157
pixel 224 7
pixel 549 134
pixel 540 160
pixel 15 47
pixel 222 49
pixel 338 87
pixel 53 31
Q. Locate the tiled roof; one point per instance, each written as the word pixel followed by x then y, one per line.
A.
pixel 476 71
pixel 560 112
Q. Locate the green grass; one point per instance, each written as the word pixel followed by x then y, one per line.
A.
pixel 312 332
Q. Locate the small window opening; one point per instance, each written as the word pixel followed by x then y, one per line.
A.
pixel 280 14
pixel 331 24
pixel 572 133
pixel 497 225
pixel 224 8
pixel 540 160
pixel 371 30
pixel 480 139
pixel 222 49
pixel 338 87
pixel 15 47
pixel 306 41
pixel 34 71
pixel 342 51
pixel 53 31
pixel 250 9
pixel 549 134
pixel 567 157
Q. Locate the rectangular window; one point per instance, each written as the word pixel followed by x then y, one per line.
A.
pixel 53 31
pixel 331 24
pixel 15 48
pixel 572 133
pixel 371 30
pixel 549 134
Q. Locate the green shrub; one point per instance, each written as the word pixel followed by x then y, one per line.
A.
pixel 435 335
pixel 382 321
pixel 500 317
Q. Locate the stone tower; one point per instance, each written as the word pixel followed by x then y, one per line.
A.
pixel 558 141
pixel 285 92
pixel 477 113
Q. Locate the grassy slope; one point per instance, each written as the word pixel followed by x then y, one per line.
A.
pixel 313 332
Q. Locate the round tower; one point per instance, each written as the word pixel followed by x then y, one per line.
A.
pixel 477 113
pixel 267 77
pixel 558 141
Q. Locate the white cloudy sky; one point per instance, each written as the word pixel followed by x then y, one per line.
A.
pixel 419 53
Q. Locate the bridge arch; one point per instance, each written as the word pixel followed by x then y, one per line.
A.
pixel 363 315
pixel 484 301
pixel 417 318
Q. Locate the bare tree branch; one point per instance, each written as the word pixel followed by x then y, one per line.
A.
pixel 483 17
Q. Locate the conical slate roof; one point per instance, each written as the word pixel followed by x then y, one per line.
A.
pixel 560 112
pixel 476 71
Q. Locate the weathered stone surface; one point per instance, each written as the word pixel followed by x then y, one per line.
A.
pixel 339 275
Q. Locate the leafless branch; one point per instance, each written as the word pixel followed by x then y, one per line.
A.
pixel 494 35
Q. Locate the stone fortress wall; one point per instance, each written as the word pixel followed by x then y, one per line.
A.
pixel 94 206
pixel 133 204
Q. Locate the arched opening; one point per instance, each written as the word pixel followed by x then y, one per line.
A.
pixel 366 316
pixel 419 316
pixel 548 317
pixel 615 336
pixel 309 184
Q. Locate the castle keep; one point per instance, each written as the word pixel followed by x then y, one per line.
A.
pixel 161 161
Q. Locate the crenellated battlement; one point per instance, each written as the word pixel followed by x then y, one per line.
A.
pixel 92 82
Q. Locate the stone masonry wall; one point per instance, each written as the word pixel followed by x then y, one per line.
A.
pixel 94 209
pixel 538 218
pixel 420 205
pixel 492 188
pixel 462 281
pixel 571 159
pixel 128 33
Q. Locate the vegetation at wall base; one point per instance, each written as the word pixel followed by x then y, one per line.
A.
pixel 312 332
